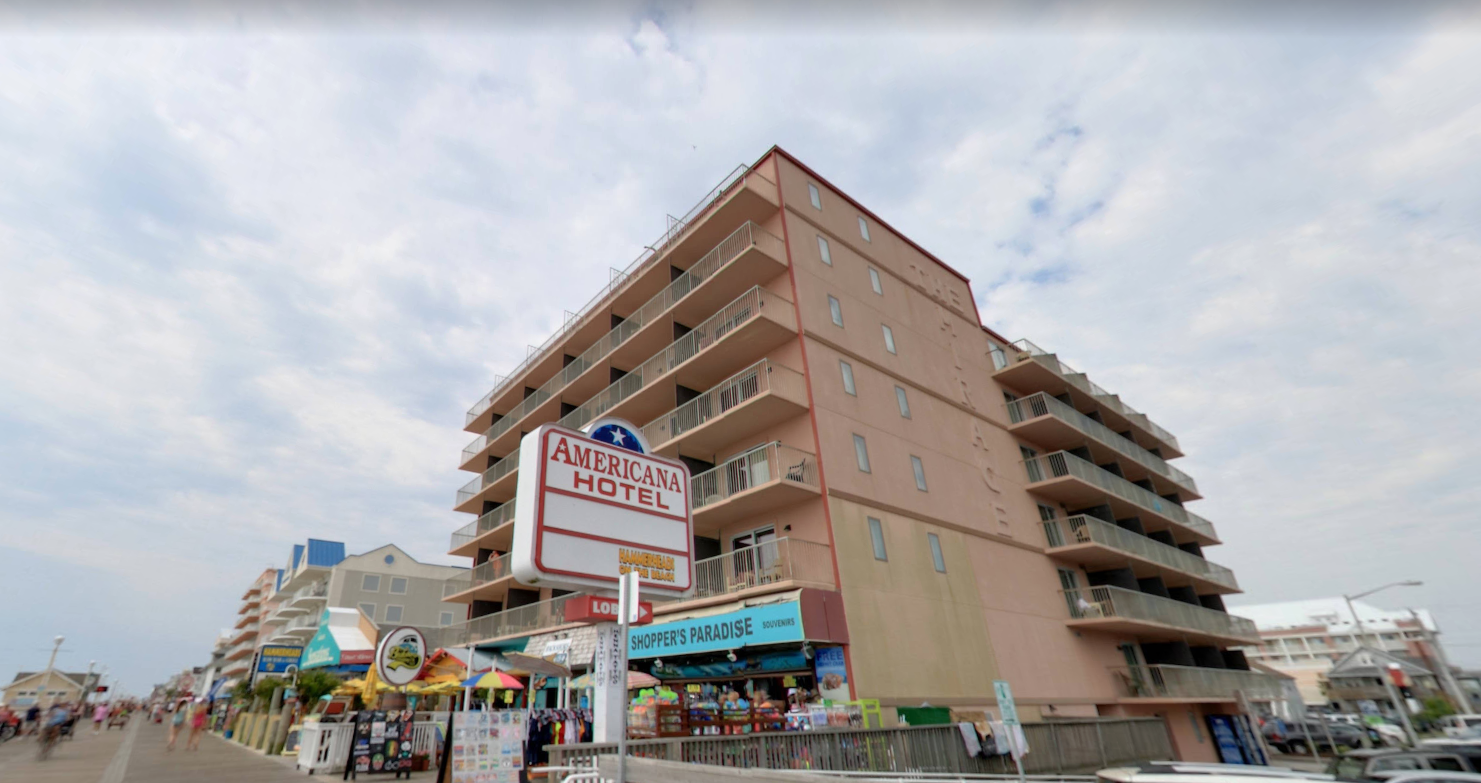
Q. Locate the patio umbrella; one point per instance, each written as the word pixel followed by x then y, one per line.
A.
pixel 635 680
pixel 493 679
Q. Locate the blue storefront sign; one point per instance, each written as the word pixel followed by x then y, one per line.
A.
pixel 754 625
pixel 276 658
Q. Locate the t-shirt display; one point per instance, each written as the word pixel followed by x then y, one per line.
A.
pixel 488 746
pixel 382 742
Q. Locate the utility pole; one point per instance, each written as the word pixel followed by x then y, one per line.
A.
pixel 1447 678
pixel 86 679
pixel 51 662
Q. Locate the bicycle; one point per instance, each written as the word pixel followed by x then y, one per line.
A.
pixel 47 741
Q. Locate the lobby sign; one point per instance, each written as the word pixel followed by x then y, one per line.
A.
pixel 597 510
pixel 400 656
pixel 276 658
pixel 754 625
pixel 597 609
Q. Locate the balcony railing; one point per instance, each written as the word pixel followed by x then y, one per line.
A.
pixel 1094 603
pixel 315 591
pixel 745 307
pixel 490 521
pixel 492 570
pixel 1164 681
pixel 1062 463
pixel 752 469
pixel 732 247
pixel 526 619
pixel 301 622
pixel 1042 404
pixel 742 387
pixel 1082 382
pixel 1089 530
pixel 618 282
pixel 770 562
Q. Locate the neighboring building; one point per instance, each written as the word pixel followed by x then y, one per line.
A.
pixel 1305 639
pixel 51 686
pixel 1358 677
pixel 257 605
pixel 385 584
pixel 907 504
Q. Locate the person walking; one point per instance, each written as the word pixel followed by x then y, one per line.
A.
pixel 100 714
pixel 197 727
pixel 177 721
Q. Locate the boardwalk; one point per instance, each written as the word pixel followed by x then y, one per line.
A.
pixel 137 755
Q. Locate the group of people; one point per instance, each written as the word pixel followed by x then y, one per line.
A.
pixel 184 712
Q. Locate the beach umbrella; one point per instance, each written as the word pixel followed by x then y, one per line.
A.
pixel 493 679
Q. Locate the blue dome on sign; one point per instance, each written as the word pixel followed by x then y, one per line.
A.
pixel 618 434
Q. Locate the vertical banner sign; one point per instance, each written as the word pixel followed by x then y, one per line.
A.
pixel 1006 706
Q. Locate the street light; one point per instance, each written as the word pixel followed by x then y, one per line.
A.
pixel 41 691
pixel 1359 620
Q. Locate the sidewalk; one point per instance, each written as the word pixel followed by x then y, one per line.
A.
pixel 81 759
pixel 217 761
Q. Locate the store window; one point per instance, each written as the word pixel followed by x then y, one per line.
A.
pixel 368 609
pixel 861 453
pixel 876 537
pixel 904 403
pixel 864 229
pixel 823 252
pixel 889 338
pixel 398 585
pixel 920 472
pixel 874 281
pixel 370 583
pixel 937 558
pixel 835 310
pixel 446 618
pixel 848 377
pixel 814 196
pixel 393 613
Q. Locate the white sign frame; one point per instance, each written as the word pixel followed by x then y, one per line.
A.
pixel 583 548
pixel 399 676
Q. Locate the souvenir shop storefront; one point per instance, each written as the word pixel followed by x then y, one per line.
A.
pixel 344 643
pixel 768 665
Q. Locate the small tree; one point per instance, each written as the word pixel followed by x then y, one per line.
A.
pixel 1435 708
pixel 315 683
pixel 265 687
pixel 242 690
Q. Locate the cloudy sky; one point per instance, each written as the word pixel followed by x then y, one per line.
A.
pixel 254 267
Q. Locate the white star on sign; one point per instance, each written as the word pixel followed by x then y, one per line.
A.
pixel 617 436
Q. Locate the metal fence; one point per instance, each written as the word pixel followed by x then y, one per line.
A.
pixel 1054 747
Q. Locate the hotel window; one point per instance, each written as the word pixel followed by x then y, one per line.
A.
pixel 1046 513
pixel 835 310
pixel 393 613
pixel 368 609
pixel 814 196
pixel 863 229
pixel 398 585
pixel 823 251
pixel 861 453
pixel 920 473
pixel 876 537
pixel 889 338
pixel 999 359
pixel 904 403
pixel 848 377
pixel 874 281
pixel 936 557
pixel 371 583
pixel 446 618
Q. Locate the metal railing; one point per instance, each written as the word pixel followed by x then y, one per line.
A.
pixel 1082 382
pixel 492 570
pixel 1062 463
pixel 525 619
pixel 742 387
pixel 298 623
pixel 1061 746
pixel 498 470
pixel 1081 529
pixel 1088 603
pixel 490 521
pixel 619 281
pixel 770 562
pixel 317 590
pixel 757 467
pixel 1041 404
pixel 1152 681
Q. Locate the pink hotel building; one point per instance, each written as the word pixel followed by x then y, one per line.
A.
pixel 945 506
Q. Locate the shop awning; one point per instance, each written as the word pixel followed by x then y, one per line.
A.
pixel 580 654
pixel 222 688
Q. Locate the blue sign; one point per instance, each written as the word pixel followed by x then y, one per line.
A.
pixel 276 658
pixel 769 624
pixel 1226 739
pixel 618 432
pixel 832 673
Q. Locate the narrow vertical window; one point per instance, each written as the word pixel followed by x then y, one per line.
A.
pixel 937 558
pixel 920 472
pixel 874 281
pixel 889 338
pixel 823 251
pixel 835 310
pixel 814 196
pixel 876 537
pixel 848 377
pixel 903 402
pixel 861 453
pixel 863 229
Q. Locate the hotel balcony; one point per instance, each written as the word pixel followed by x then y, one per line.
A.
pixel 753 399
pixel 251 591
pixel 742 197
pixel 1167 683
pixel 1029 368
pixel 494 530
pixel 248 631
pixel 763 479
pixel 1097 545
pixel 1152 617
pixel 775 566
pixel 1044 420
pixel 743 260
pixel 487 581
pixel 298 629
pixel 308 598
pixel 241 650
pixel 742 331
pixel 1079 484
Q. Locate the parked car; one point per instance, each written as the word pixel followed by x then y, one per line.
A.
pixel 1185 772
pixel 1298 737
pixel 1435 776
pixel 1384 765
pixel 1460 725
